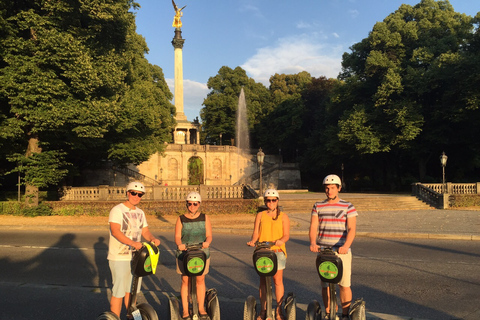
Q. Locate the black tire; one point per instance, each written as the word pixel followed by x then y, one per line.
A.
pixel 249 310
pixel 147 311
pixel 291 306
pixel 313 310
pixel 108 315
pixel 213 306
pixel 174 308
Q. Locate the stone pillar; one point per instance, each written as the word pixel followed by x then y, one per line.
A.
pixel 177 43
pixel 103 193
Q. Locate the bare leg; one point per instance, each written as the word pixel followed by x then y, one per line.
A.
pixel 201 294
pixel 279 292
pixel 116 305
pixel 184 295
pixel 326 299
pixel 262 290
pixel 345 298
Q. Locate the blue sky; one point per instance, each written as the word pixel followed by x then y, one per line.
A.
pixel 263 37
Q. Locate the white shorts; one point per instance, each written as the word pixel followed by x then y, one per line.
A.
pixel 281 260
pixel 122 278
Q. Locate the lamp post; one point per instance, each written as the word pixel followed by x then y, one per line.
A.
pixel 443 161
pixel 343 168
pixel 221 139
pixel 161 175
pixel 260 157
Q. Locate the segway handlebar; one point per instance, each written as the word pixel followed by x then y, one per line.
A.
pixel 194 246
pixel 264 244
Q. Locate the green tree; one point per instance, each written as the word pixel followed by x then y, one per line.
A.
pixel 282 129
pixel 76 88
pixel 402 85
pixel 219 112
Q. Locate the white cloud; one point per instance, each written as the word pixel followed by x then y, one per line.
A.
pixel 303 25
pixel 353 13
pixel 293 55
pixel 336 35
pixel 252 9
pixel 193 95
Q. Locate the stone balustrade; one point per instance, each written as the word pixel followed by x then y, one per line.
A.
pixel 438 194
pixel 107 193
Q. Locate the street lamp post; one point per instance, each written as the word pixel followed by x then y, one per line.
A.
pixel 161 175
pixel 260 158
pixel 443 162
pixel 221 138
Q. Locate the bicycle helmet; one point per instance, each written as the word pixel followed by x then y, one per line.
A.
pixel 194 196
pixel 271 193
pixel 332 179
pixel 136 186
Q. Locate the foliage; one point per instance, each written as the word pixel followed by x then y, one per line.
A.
pixel 77 88
pixel 17 209
pixel 219 112
pixel 460 201
pixel 41 169
pixel 195 171
pixel 405 96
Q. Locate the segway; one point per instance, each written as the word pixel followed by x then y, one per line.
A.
pixel 265 264
pixel 330 270
pixel 194 262
pixel 144 263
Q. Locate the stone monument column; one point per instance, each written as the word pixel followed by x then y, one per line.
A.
pixel 177 43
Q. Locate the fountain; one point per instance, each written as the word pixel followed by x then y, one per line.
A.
pixel 242 134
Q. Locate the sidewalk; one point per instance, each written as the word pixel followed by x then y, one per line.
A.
pixel 424 224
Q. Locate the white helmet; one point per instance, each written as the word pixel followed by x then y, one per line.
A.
pixel 271 193
pixel 194 196
pixel 332 179
pixel 136 186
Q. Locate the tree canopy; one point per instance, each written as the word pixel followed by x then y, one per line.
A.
pixel 405 88
pixel 76 87
pixel 406 92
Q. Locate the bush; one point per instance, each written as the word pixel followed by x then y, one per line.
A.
pixel 460 201
pixel 41 210
pixel 19 209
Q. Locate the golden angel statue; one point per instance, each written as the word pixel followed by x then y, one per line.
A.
pixel 177 23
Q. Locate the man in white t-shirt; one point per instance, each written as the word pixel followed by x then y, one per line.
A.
pixel 127 226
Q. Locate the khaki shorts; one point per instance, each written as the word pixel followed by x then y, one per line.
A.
pixel 180 269
pixel 347 270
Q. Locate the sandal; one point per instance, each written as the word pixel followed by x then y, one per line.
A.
pixel 279 315
pixel 204 316
pixel 262 315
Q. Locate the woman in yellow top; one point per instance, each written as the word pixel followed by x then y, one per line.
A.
pixel 274 226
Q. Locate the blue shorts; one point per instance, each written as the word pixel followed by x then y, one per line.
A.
pixel 281 260
pixel 122 278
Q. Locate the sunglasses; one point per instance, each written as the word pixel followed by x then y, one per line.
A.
pixel 137 194
pixel 194 204
pixel 271 200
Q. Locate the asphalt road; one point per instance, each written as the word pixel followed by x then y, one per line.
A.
pixel 59 275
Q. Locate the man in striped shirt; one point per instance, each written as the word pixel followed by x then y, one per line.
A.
pixel 333 224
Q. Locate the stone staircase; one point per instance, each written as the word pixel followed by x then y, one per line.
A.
pixel 296 203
